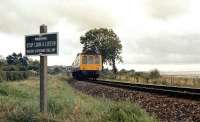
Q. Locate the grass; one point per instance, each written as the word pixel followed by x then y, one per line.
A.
pixel 19 102
pixel 163 80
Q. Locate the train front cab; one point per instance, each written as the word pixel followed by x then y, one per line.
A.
pixel 90 65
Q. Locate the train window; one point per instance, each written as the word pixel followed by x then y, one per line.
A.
pixel 97 59
pixel 84 59
pixel 90 59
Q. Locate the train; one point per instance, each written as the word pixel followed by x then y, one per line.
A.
pixel 87 65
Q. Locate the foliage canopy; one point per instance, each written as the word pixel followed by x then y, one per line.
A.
pixel 106 42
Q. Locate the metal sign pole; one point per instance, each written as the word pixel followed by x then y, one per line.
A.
pixel 43 77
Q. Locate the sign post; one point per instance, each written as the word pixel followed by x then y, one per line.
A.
pixel 42 45
pixel 43 77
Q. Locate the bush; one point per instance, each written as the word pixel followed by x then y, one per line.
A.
pixel 33 67
pixel 55 71
pixel 22 68
pixel 10 68
pixel 14 75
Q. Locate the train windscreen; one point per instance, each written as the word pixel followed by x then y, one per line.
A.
pixel 97 59
pixel 84 59
pixel 90 59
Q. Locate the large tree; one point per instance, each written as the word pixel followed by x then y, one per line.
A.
pixel 106 42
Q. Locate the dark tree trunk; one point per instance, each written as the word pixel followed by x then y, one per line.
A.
pixel 102 62
pixel 114 66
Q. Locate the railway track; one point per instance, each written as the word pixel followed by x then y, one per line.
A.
pixel 172 91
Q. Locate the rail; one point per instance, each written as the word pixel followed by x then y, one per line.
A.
pixel 172 91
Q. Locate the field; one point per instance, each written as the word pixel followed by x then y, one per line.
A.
pixel 19 102
pixel 170 80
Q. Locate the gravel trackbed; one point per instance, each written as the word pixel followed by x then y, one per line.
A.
pixel 167 109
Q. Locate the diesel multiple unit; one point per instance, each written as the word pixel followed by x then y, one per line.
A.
pixel 87 65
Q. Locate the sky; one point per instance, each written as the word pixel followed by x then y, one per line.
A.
pixel 162 34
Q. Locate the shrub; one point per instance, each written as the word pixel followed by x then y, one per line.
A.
pixel 35 67
pixel 14 75
pixel 22 68
pixel 10 68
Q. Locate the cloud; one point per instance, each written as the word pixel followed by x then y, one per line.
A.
pixel 10 44
pixel 26 16
pixel 152 32
pixel 22 17
pixel 165 9
pixel 165 49
pixel 89 14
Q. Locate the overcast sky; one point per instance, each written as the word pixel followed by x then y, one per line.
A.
pixel 163 34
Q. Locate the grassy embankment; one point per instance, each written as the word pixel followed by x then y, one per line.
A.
pixel 19 102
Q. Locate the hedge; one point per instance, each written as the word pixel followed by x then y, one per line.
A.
pixel 14 75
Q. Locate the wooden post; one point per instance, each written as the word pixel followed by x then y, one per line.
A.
pixel 43 77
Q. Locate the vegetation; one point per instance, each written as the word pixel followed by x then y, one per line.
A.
pixel 54 70
pixel 19 103
pixel 14 75
pixel 17 67
pixel 33 65
pixel 17 59
pixel 151 77
pixel 106 42
pixel 154 74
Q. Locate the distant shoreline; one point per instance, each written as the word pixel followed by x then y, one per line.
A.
pixel 181 73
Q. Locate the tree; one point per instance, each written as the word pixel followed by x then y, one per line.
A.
pixel 154 74
pixel 23 61
pixel 17 59
pixel 106 42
